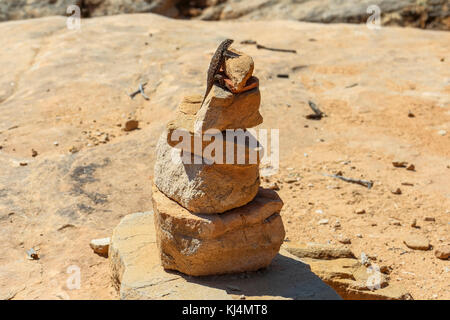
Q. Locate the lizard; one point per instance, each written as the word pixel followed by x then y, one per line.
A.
pixel 216 63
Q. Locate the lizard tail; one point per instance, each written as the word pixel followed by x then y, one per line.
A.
pixel 203 100
pixel 206 94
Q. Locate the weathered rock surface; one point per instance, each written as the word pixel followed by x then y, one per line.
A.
pixel 423 14
pixel 442 252
pixel 242 239
pixel 345 274
pixel 188 116
pixel 227 147
pixel 25 9
pixel 239 69
pixel 137 273
pixel 222 110
pixel 319 251
pixel 203 188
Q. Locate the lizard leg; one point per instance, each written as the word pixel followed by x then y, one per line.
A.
pixel 220 80
pixel 230 54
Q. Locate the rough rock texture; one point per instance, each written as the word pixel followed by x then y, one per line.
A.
pixel 203 188
pixel 319 251
pixel 137 273
pixel 226 147
pixel 417 242
pixel 58 85
pixel 352 280
pixel 239 69
pixel 222 110
pixel 218 117
pixel 242 239
pixel 416 13
pixel 442 252
pixel 25 9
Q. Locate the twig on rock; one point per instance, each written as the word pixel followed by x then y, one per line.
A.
pixel 364 183
pixel 140 90
pixel 259 46
pixel 248 41
pixel 317 115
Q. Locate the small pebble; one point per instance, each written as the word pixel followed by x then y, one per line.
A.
pixel 416 242
pixel 32 254
pixel 385 269
pixel 274 186
pixel 442 132
pixel 100 246
pixel 131 125
pixel 442 252
pixel 323 221
pixel 290 180
pixel 344 240
pixel 399 164
pixel 73 149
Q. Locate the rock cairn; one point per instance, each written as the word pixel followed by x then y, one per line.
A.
pixel 211 216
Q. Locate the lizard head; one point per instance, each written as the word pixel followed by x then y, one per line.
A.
pixel 227 43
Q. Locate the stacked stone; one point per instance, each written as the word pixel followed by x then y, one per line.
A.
pixel 213 217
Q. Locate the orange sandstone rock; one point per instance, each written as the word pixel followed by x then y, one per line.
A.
pixel 243 239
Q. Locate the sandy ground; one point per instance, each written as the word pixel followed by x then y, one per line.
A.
pixel 71 89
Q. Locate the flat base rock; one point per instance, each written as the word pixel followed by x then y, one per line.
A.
pixel 339 268
pixel 319 251
pixel 243 239
pixel 137 273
